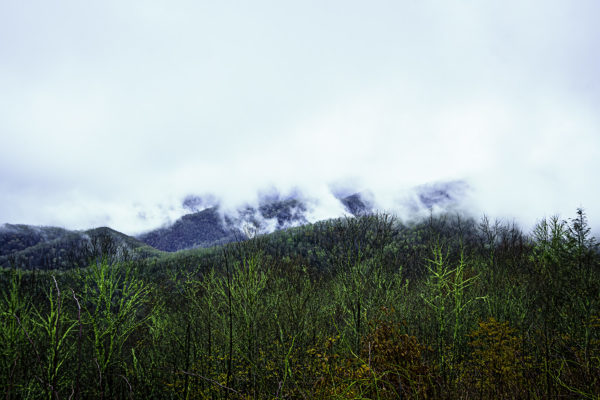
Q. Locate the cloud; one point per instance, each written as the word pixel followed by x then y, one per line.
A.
pixel 111 114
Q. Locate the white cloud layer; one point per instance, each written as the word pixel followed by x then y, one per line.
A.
pixel 111 113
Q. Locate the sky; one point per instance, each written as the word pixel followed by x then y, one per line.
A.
pixel 112 112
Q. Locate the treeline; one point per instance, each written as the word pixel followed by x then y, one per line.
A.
pixel 352 308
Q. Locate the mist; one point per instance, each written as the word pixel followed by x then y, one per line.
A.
pixel 112 114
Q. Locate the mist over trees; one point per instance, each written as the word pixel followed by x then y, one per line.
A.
pixel 358 307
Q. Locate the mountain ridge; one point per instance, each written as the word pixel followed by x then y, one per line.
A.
pixel 27 246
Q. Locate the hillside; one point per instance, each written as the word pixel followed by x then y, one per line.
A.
pixel 213 227
pixel 15 238
pixel 367 307
pixel 31 247
pixel 200 229
pixel 27 246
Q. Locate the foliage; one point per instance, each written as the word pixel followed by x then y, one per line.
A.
pixel 399 361
pixel 364 307
pixel 497 366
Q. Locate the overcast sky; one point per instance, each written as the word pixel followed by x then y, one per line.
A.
pixel 111 112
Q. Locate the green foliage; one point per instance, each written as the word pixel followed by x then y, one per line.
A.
pixel 350 308
pixel 446 295
pixel 112 304
pixel 56 330
pixel 15 319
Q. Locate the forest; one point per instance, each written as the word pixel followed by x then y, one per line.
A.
pixel 368 307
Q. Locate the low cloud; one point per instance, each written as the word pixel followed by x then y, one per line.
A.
pixel 118 127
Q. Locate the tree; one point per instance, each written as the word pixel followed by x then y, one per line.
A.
pixel 113 301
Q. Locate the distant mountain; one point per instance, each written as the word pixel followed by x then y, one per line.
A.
pixel 440 193
pixel 200 229
pixel 357 205
pixel 269 216
pixel 210 227
pixel 25 246
pixel 15 238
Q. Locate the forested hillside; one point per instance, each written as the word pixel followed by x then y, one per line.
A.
pixel 358 307
pixel 50 248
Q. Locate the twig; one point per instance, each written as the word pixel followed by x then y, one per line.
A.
pixel 128 384
pixel 100 375
pixel 56 334
pixel 77 387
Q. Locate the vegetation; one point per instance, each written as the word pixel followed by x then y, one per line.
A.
pixel 45 248
pixel 353 308
pixel 200 229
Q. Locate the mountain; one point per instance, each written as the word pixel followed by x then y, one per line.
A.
pixel 15 238
pixel 440 194
pixel 356 204
pixel 26 246
pixel 212 226
pixel 200 229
